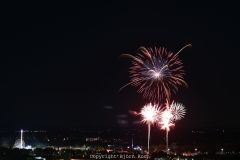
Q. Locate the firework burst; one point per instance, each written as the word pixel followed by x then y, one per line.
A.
pixel 157 72
pixel 172 113
pixel 150 115
pixel 177 111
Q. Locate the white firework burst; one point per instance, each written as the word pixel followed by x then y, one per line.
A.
pixel 177 111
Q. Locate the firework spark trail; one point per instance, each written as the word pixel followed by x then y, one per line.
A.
pixel 150 114
pixel 149 127
pixel 156 72
pixel 172 113
pixel 166 122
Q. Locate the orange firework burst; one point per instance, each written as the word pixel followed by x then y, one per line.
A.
pixel 157 72
pixel 172 113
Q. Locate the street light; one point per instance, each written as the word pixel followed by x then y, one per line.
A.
pixel 222 150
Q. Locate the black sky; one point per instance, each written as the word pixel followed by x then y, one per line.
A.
pixel 59 62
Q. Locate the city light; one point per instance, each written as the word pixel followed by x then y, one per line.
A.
pixel 21 145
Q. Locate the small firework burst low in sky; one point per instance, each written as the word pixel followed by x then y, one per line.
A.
pixel 177 111
pixel 157 72
pixel 172 113
pixel 166 120
pixel 150 114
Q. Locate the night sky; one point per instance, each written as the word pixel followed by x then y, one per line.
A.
pixel 60 62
